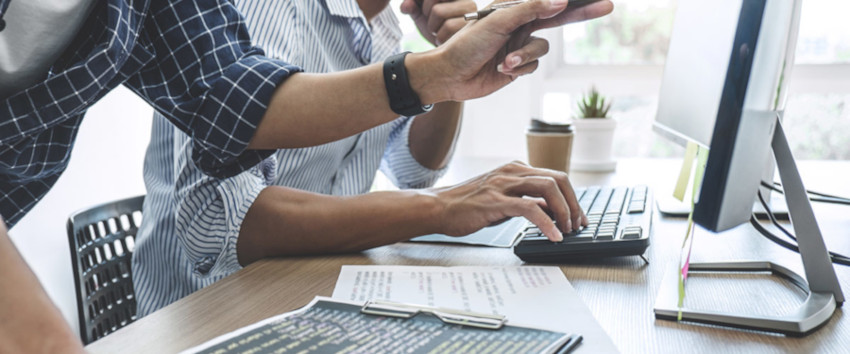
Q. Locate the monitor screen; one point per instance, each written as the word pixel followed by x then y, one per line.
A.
pixel 723 85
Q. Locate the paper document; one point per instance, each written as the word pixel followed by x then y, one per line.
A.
pixel 535 296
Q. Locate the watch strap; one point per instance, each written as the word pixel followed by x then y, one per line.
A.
pixel 403 100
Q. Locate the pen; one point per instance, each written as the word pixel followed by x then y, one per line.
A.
pixel 570 344
pixel 483 13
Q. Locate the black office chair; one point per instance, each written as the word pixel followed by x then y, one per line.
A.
pixel 102 241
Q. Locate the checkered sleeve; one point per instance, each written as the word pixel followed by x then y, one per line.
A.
pixel 208 80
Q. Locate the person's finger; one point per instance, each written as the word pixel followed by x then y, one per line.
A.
pixel 547 188
pixel 533 49
pixel 571 198
pixel 444 11
pixel 529 209
pixel 591 11
pixel 428 6
pixel 520 71
pixel 564 184
pixel 449 28
pixel 409 7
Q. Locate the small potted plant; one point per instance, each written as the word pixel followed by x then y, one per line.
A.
pixel 594 134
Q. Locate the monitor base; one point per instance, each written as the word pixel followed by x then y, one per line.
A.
pixel 811 315
pixel 670 206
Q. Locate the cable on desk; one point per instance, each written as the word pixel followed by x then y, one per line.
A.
pixel 815 196
pixel 836 258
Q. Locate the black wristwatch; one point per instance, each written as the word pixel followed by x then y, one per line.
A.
pixel 403 100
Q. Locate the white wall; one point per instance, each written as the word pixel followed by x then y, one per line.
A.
pixel 106 164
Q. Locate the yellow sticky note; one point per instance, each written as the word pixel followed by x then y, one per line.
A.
pixel 685 173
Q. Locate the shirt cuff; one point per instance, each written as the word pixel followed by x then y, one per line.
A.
pixel 216 232
pixel 229 117
pixel 399 165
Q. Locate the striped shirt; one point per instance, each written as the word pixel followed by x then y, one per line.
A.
pixel 191 221
pixel 191 60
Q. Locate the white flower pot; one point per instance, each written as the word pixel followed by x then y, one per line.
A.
pixel 594 138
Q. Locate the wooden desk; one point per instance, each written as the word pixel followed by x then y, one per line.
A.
pixel 620 292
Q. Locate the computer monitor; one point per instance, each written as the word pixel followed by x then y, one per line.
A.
pixel 723 88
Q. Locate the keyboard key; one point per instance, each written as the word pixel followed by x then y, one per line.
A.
pixel 611 219
pixel 587 198
pixel 536 238
pixel 605 236
pixel 618 197
pixel 579 238
pixel 631 232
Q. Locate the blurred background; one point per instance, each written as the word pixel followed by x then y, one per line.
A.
pixel 622 55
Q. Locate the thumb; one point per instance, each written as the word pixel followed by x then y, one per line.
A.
pixel 507 20
pixel 588 12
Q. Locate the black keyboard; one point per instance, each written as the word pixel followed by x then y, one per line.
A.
pixel 619 220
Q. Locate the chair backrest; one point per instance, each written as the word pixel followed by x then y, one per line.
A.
pixel 102 239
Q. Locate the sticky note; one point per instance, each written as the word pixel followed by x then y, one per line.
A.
pixel 685 173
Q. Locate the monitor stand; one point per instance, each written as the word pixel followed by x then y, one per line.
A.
pixel 824 291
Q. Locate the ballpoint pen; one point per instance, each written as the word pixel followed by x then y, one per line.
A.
pixel 482 13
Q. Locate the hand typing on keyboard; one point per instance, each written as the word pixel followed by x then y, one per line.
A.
pixel 619 220
pixel 502 194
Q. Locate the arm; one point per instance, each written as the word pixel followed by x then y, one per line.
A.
pixel 433 135
pixel 306 109
pixel 29 322
pixel 285 221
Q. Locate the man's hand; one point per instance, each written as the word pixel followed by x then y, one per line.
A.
pixel 490 53
pixel 438 20
pixel 502 193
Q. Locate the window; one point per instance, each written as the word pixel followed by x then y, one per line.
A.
pixel 623 55
pixel 637 32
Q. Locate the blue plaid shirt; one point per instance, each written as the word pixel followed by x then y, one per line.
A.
pixel 191 60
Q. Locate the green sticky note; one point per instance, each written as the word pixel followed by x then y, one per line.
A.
pixel 685 173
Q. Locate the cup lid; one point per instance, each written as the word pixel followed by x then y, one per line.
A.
pixel 539 126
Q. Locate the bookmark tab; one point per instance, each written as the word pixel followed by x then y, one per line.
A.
pixel 685 172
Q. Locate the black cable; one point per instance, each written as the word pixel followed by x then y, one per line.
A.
pixel 834 257
pixel 775 222
pixel 809 191
pixel 818 197
pixel 770 236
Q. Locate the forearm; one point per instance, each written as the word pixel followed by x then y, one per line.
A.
pixel 284 221
pixel 433 135
pixel 313 109
pixel 29 322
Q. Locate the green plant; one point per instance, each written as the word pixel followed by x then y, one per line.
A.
pixel 593 105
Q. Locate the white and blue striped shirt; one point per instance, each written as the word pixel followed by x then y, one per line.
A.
pixel 191 221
